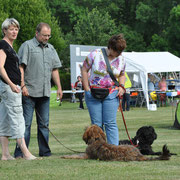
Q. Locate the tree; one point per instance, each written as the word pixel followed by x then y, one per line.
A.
pixel 173 31
pixel 158 43
pixel 143 22
pixel 134 40
pixel 94 29
pixel 3 14
pixel 152 17
pixel 67 12
pixel 29 13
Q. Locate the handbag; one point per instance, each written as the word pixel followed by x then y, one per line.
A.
pixel 99 93
pixel 102 93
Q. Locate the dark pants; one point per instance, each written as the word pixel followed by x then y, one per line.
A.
pixel 41 105
pixel 80 97
pixel 126 102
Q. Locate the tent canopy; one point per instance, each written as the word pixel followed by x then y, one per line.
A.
pixel 150 62
pixel 136 62
pixel 154 62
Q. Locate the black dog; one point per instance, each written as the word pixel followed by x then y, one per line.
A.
pixel 144 138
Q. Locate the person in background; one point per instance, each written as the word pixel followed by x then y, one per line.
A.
pixel 11 113
pixel 39 62
pixel 126 95
pixel 78 86
pixel 163 87
pixel 126 100
pixel 171 84
pixel 163 84
pixel 103 112
pixel 150 84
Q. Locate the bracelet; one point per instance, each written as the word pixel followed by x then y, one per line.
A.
pixel 23 87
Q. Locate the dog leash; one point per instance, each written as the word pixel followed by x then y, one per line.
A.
pixel 54 135
pixel 118 85
pixel 120 107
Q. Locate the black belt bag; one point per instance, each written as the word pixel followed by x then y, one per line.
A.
pixel 99 93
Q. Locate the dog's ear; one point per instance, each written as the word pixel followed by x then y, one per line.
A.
pixel 89 134
pixel 141 135
pixel 153 132
pixel 93 133
pixel 85 135
pixel 103 136
pixel 97 133
pixel 139 132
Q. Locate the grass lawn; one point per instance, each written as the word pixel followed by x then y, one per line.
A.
pixel 68 123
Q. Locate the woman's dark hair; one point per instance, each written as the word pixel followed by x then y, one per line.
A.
pixel 79 77
pixel 117 43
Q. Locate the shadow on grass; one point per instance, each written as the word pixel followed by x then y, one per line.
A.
pixel 161 126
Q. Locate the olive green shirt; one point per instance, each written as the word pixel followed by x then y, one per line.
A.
pixel 39 63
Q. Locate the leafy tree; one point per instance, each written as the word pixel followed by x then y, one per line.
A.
pixel 158 43
pixel 3 14
pixel 67 12
pixel 29 13
pixel 94 29
pixel 173 31
pixel 134 40
pixel 152 17
pixel 144 22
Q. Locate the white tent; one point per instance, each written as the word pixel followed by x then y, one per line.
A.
pixel 150 62
pixel 141 62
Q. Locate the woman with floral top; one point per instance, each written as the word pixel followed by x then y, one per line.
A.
pixel 103 112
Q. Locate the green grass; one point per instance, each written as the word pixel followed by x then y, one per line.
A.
pixel 68 123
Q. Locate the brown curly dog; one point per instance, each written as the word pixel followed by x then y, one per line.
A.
pixel 99 149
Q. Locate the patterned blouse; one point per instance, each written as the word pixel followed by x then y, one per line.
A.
pixel 99 76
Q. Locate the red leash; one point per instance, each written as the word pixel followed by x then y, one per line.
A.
pixel 120 107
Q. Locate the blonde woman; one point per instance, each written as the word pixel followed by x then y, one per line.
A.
pixel 12 122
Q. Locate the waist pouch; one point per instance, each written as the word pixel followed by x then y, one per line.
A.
pixel 99 93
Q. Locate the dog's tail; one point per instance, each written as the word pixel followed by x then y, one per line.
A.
pixel 164 156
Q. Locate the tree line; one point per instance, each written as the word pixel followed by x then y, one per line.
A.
pixel 148 25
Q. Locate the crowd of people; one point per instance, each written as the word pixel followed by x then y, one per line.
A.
pixel 25 87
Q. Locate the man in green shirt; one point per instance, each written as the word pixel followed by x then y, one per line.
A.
pixel 39 62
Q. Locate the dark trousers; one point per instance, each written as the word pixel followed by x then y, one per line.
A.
pixel 126 102
pixel 80 97
pixel 41 105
